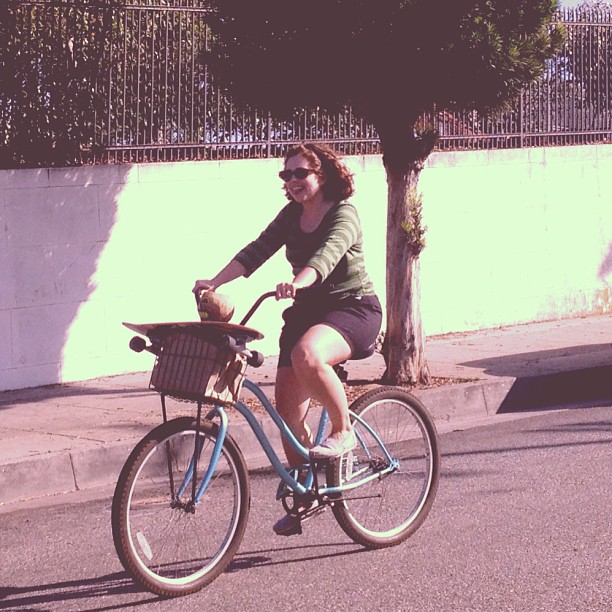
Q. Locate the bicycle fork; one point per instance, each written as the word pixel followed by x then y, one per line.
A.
pixel 191 475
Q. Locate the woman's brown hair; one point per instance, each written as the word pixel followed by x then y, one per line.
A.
pixel 326 162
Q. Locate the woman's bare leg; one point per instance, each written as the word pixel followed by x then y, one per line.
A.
pixel 292 402
pixel 312 376
pixel 313 358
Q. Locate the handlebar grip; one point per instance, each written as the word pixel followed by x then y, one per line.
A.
pixel 254 358
pixel 138 344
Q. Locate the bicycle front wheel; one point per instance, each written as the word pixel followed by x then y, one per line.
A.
pixel 169 545
pixel 390 507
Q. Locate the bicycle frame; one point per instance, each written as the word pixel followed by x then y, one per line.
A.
pixel 189 474
pixel 275 461
pixel 297 487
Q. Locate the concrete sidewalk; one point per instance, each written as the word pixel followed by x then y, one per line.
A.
pixel 77 436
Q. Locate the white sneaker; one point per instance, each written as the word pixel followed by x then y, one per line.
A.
pixel 332 448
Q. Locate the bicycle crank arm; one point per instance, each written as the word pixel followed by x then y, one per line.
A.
pixel 355 497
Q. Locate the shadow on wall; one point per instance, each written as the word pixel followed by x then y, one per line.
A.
pixel 57 223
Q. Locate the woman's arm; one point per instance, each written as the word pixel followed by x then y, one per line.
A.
pixel 232 271
pixel 267 244
pixel 304 278
pixel 343 232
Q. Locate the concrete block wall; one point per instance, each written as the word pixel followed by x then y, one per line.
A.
pixel 513 236
pixel 516 236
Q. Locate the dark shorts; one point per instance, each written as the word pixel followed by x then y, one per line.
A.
pixel 357 319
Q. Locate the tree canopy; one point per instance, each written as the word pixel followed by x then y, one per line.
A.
pixel 406 54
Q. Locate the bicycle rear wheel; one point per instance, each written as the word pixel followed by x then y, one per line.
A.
pixel 388 509
pixel 166 544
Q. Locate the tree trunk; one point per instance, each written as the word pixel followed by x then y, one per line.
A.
pixel 404 339
pixel 404 345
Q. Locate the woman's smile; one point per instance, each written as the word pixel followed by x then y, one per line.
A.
pixel 303 189
pixel 296 189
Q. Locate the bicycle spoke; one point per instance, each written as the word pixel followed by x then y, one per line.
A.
pixel 388 508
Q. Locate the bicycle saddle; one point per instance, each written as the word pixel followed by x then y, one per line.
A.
pixel 364 354
pixel 339 368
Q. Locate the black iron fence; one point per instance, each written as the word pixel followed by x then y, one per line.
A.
pixel 98 81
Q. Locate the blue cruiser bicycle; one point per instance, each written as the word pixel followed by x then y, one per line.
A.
pixel 181 503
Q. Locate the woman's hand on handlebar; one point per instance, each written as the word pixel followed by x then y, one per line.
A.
pixel 306 277
pixel 233 270
pixel 286 291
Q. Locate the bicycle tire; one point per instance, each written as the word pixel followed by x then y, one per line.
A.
pixel 172 551
pixel 390 508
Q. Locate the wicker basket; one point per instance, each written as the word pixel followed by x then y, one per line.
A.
pixel 194 368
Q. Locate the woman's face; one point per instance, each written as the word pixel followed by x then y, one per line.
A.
pixel 303 189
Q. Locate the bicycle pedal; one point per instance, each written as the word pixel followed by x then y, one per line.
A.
pixel 303 516
pixel 289 525
pixel 312 511
pixel 297 530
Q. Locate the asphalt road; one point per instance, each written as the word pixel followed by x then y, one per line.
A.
pixel 521 522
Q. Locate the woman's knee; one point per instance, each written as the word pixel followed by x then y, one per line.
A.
pixel 305 357
pixel 318 349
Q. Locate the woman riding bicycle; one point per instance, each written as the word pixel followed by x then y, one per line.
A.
pixel 335 313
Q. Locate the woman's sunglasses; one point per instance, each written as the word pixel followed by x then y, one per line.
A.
pixel 299 173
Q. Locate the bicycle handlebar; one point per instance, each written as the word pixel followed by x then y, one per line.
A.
pixel 254 358
pixel 256 305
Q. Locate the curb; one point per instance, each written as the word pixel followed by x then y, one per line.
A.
pixel 70 471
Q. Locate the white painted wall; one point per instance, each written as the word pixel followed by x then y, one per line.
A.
pixel 513 236
pixel 516 236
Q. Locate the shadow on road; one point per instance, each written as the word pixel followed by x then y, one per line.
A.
pixel 9 399
pixel 63 593
pixel 592 385
pixel 556 377
pixel 258 558
pixel 575 436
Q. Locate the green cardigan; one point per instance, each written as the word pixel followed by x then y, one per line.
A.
pixel 334 250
